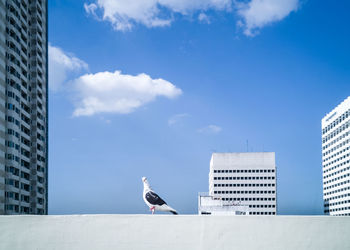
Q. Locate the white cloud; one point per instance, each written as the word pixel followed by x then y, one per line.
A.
pixel 91 9
pixel 211 129
pixel 107 121
pixel 259 13
pixel 61 64
pixel 114 92
pixel 253 14
pixel 124 14
pixel 202 17
pixel 104 92
pixel 177 118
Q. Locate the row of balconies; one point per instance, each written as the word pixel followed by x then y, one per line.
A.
pixel 14 76
pixel 22 41
pixel 25 139
pixel 18 64
pixel 13 20
pixel 15 182
pixel 32 122
pixel 16 9
pixel 38 49
pixel 37 21
pixel 17 71
pixel 20 44
pixel 25 200
pixel 27 154
pixel 11 45
pixel 16 90
pixel 15 37
pixel 26 151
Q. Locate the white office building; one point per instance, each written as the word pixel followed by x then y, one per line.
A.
pixel 336 160
pixel 248 179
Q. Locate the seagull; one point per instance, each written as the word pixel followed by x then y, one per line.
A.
pixel 153 200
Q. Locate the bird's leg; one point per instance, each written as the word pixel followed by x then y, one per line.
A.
pixel 152 209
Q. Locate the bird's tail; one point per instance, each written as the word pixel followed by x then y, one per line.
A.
pixel 166 208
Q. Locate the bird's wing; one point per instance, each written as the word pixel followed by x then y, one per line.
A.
pixel 154 199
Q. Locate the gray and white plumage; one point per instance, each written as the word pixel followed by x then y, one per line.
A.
pixel 153 201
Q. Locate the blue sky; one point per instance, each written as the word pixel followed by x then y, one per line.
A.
pixel 152 89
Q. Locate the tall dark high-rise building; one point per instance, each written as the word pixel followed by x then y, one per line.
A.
pixel 23 107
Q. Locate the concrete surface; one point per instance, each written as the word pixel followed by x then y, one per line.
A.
pixel 99 232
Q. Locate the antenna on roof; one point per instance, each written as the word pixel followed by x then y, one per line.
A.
pixel 247 145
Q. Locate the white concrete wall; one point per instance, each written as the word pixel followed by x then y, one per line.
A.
pixel 100 232
pixel 249 160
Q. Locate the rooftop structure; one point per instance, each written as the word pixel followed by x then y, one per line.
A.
pixel 212 205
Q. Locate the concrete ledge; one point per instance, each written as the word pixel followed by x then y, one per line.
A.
pixel 101 232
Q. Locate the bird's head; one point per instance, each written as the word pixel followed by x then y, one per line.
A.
pixel 145 183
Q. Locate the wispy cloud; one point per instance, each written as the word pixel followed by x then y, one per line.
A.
pixel 114 92
pixel 61 65
pixel 105 120
pixel 210 129
pixel 202 17
pixel 175 119
pixel 90 9
pixel 256 14
pixel 125 14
